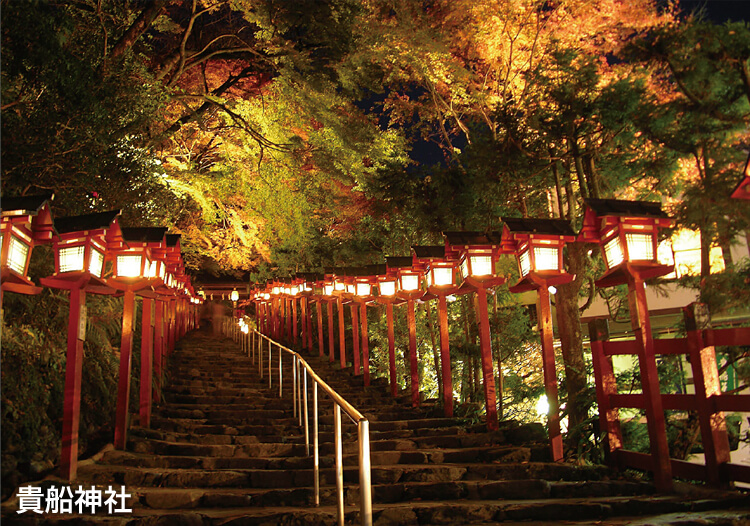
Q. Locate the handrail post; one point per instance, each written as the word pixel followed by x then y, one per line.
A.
pixel 307 423
pixel 316 446
pixel 365 475
pixel 281 376
pixel 299 390
pixel 294 385
pixel 260 357
pixel 270 359
pixel 339 463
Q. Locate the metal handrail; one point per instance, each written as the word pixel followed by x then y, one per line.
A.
pixel 301 370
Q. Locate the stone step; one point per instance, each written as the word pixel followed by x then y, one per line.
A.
pixel 250 449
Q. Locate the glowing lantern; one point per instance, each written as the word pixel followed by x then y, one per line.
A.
pixel 26 222
pixel 626 231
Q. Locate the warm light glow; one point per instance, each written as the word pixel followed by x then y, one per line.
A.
pixel 613 252
pixel 524 262
pixel 350 289
pixel 465 268
pixel 640 247
pixel 481 265
pixel 129 266
pixel 363 290
pixel 451 298
pixel 442 276
pixel 266 296
pixel 71 259
pixel 17 253
pixel 552 289
pixel 294 290
pixel 339 285
pixel 235 295
pixel 387 288
pixel 96 265
pixel 409 282
pixel 546 258
pixel 328 289
pixel 276 290
pixel 542 406
pixel 245 329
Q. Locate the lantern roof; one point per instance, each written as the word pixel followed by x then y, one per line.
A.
pixel 378 269
pixel 610 210
pixel 146 235
pixel 398 262
pixel 309 276
pixel 429 251
pixel 87 222
pixel 25 205
pixel 526 225
pixel 472 239
pixel 742 191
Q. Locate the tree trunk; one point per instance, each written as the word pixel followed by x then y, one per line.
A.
pixel 569 329
pixel 137 28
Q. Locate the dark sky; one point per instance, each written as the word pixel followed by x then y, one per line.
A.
pixel 721 10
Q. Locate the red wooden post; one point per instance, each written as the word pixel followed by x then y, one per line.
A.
pixel 331 346
pixel 342 335
pixel 288 314
pixel 310 340
pixel 391 348
pixel 488 374
pixel 606 385
pixel 171 309
pixel 544 314
pixel 365 344
pixel 295 328
pixel 713 423
pixel 73 373
pixel 445 357
pixel 656 424
pixel 413 363
pixel 123 385
pixel 147 343
pixel 158 348
pixel 353 308
pixel 319 312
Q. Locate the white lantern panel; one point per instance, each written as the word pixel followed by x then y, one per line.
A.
pixel 546 258
pixel 350 289
pixel 71 259
pixel 363 289
pixel 613 252
pixel 328 289
pixel 276 290
pixel 409 282
pixel 294 290
pixel 442 276
pixel 640 247
pixel 339 285
pixel 465 268
pixel 96 264
pixel 18 251
pixel 481 265
pixel 524 262
pixel 129 266
pixel 387 288
pixel 235 295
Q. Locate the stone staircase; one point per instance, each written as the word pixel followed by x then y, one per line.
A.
pixel 224 449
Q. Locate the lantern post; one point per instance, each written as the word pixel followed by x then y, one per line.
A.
pixel 386 283
pixel 319 299
pixel 441 282
pixel 80 244
pixel 24 223
pixel 328 291
pixel 339 290
pixel 409 283
pixel 363 282
pixel 477 252
pixel 627 231
pixel 538 247
pixel 349 277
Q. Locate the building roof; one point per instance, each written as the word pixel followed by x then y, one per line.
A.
pixel 473 238
pixel 398 261
pixel 429 251
pixel 144 234
pixel 27 205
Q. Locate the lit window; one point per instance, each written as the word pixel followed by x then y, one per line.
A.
pixel 409 282
pixel 71 259
pixel 465 268
pixel 546 258
pixel 294 291
pixel 97 263
pixel 339 285
pixel 481 265
pixel 613 252
pixel 640 247
pixel 17 253
pixel 129 266
pixel 442 276
pixel 387 288
pixel 328 289
pixel 524 262
pixel 363 289
pixel 350 288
